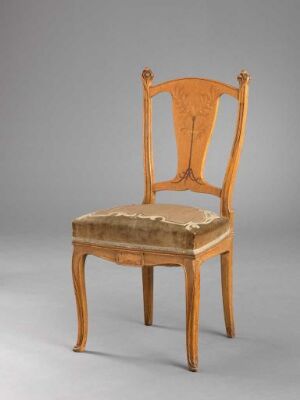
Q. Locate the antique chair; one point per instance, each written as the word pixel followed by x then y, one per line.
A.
pixel 153 234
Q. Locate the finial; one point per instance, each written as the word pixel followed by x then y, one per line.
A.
pixel 147 75
pixel 243 77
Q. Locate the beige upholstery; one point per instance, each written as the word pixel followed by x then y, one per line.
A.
pixel 157 227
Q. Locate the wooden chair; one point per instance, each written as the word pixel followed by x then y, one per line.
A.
pixel 153 234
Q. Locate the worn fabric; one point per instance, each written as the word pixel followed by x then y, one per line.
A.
pixel 158 227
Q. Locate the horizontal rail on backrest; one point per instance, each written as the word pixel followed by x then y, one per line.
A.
pixel 167 87
pixel 203 187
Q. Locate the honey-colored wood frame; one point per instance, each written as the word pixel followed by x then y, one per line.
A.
pixel 187 181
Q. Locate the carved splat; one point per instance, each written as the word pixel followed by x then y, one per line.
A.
pixel 195 105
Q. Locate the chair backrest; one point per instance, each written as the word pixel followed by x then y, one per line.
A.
pixel 195 104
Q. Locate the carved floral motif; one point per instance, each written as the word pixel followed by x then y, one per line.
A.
pixel 194 121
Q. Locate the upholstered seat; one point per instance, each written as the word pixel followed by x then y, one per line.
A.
pixel 157 227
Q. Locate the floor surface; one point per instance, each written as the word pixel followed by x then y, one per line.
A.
pixel 127 360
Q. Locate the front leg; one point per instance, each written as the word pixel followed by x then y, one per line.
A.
pixel 78 267
pixel 192 285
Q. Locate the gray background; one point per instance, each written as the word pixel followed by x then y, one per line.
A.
pixel 70 142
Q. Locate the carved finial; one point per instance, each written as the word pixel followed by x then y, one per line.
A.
pixel 243 77
pixel 147 75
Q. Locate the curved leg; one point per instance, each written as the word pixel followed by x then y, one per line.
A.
pixel 226 277
pixel 78 264
pixel 147 274
pixel 192 285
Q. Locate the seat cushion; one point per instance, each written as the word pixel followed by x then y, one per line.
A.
pixel 157 227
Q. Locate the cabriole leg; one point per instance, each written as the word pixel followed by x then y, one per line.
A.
pixel 78 269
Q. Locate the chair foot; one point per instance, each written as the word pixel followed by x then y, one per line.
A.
pixel 230 332
pixel 78 349
pixel 193 368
